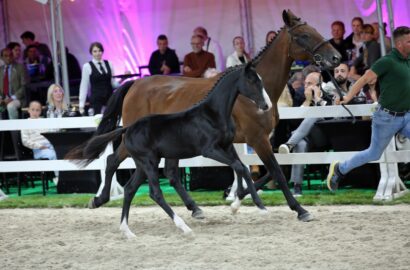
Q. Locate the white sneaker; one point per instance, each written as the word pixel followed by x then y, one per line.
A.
pixel 285 148
pixel 249 196
pixel 55 180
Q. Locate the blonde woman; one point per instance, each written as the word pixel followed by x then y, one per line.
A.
pixel 55 100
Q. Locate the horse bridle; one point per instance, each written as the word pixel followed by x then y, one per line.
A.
pixel 318 60
pixel 313 51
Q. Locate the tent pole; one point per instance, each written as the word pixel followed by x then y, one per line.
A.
pixel 54 42
pixel 64 71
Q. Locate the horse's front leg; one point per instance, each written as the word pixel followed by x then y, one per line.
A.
pixel 171 171
pixel 156 194
pixel 229 157
pixel 130 189
pixel 264 150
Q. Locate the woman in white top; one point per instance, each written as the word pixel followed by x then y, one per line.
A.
pixel 240 56
pixel 97 76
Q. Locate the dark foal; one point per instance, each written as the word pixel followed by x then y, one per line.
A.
pixel 206 129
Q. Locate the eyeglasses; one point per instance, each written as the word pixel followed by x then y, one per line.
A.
pixel 195 44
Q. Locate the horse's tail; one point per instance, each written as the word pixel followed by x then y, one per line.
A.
pixel 113 110
pixel 109 121
pixel 97 144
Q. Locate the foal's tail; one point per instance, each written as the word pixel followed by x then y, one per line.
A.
pixel 109 121
pixel 97 144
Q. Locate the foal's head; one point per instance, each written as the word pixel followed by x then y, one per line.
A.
pixel 251 86
pixel 308 44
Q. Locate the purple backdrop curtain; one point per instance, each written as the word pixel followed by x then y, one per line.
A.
pixel 128 28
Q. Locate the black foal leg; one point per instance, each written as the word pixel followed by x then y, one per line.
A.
pixel 130 189
pixel 230 157
pixel 171 171
pixel 113 162
pixel 157 196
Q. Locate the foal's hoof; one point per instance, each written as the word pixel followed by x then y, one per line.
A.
pixel 235 205
pixel 306 217
pixel 198 214
pixel 263 211
pixel 91 204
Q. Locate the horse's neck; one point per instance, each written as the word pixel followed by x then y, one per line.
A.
pixel 223 96
pixel 274 66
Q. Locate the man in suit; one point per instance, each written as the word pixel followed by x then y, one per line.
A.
pixel 13 80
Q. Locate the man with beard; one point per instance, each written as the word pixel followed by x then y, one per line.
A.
pixel 340 74
pixel 198 61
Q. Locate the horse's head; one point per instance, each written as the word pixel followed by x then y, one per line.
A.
pixel 308 44
pixel 251 86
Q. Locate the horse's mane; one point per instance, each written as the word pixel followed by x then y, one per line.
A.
pixel 258 57
pixel 222 77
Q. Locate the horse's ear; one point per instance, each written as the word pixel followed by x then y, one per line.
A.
pixel 285 17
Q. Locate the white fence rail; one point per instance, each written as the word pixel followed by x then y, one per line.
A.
pixel 390 185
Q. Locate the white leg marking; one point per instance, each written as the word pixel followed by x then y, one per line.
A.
pixel 126 230
pixel 235 205
pixel 179 222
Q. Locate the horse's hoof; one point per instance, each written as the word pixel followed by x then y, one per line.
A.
pixel 306 217
pixel 91 204
pixel 198 214
pixel 235 205
pixel 263 211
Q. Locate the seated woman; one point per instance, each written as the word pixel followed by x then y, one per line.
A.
pixel 239 56
pixel 55 101
pixel 32 138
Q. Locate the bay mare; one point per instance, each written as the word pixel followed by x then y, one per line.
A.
pixel 164 94
pixel 205 129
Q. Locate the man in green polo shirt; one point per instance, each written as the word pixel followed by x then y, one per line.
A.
pixel 393 112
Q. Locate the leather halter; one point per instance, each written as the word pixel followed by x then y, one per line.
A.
pixel 312 51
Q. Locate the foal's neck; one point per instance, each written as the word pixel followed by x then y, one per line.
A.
pixel 222 98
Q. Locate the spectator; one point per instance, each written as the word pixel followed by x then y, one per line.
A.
pixel 295 86
pixel 198 61
pixel 337 41
pixel 393 112
pixel 164 60
pixel 36 64
pixel 73 67
pixel 298 142
pixel 212 46
pixel 239 56
pixel 33 139
pixel 16 50
pixel 270 36
pixel 354 40
pixel 97 76
pixel 13 78
pixel 55 101
pixel 28 38
pixel 370 53
pixel 377 35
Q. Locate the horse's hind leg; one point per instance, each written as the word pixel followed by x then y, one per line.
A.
pixel 113 162
pixel 130 189
pixel 151 169
pixel 171 171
